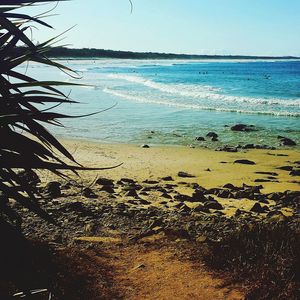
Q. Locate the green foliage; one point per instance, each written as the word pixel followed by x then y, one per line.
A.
pixel 25 143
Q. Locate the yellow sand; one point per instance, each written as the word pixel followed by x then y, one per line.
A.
pixel 156 162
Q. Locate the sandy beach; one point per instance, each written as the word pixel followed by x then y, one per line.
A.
pixel 207 168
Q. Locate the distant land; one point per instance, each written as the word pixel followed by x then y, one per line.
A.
pixel 62 52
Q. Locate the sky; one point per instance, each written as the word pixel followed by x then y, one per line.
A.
pixel 244 27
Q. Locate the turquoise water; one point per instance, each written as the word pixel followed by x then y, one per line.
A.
pixel 172 102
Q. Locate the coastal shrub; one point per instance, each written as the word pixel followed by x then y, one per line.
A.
pixel 26 145
pixel 264 255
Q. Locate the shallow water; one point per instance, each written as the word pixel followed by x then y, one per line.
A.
pixel 172 102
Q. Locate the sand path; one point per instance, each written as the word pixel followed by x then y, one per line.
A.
pixel 150 270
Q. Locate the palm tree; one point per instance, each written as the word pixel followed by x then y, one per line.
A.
pixel 25 144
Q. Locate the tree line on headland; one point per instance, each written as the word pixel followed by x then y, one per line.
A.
pixel 63 52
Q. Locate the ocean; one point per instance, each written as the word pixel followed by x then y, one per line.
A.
pixel 174 101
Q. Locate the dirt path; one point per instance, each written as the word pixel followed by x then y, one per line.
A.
pixel 146 272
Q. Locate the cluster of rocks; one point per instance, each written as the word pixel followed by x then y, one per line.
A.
pixel 131 207
pixel 213 136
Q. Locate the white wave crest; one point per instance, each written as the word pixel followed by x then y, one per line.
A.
pixel 140 99
pixel 203 92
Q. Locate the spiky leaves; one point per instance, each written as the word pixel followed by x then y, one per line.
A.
pixel 25 144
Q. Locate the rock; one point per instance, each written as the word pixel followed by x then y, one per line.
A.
pixel 285 168
pixel 182 198
pixel 224 194
pixel 295 173
pixel 212 135
pixel 257 208
pixel 264 201
pixel 227 148
pixel 184 209
pixel 284 141
pixel 144 202
pixel 238 212
pixel 131 193
pixel 201 208
pixel 185 175
pixel 105 181
pixel 267 173
pixel 198 196
pixel 242 127
pixel 244 162
pixel 167 178
pixel 108 189
pixel 214 139
pixel 88 193
pixel 148 181
pixel 166 195
pixel 52 189
pixel 200 138
pixel 213 205
pixel 229 186
pixel 145 146
pixel 263 180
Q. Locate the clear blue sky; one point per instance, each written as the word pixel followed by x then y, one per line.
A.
pixel 249 27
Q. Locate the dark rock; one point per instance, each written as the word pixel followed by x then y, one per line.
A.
pixel 144 202
pixel 144 193
pixel 263 180
pixel 284 141
pixel 212 135
pixel 166 195
pixel 52 189
pixel 108 189
pixel 257 208
pixel 227 148
pixel 238 212
pixel 295 173
pixel 145 146
pixel 267 173
pixel 105 181
pixel 224 194
pixel 182 198
pixel 264 201
pixel 285 168
pixel 131 193
pixel 148 181
pixel 167 178
pixel 242 127
pixel 213 205
pixel 198 196
pixel 201 208
pixel 229 186
pixel 275 196
pixel 185 175
pixel 88 193
pixel 200 138
pixel 184 209
pixel 244 162
pixel 252 188
pixel 214 139
pixel 249 146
